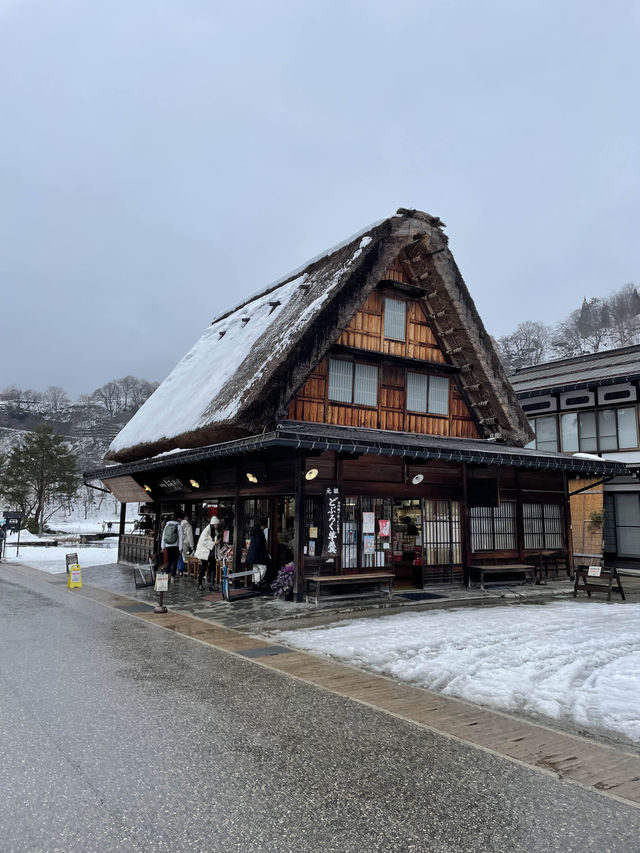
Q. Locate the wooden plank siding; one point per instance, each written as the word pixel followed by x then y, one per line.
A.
pixel 365 332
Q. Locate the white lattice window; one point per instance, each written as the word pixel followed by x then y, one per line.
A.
pixel 340 380
pixel 353 383
pixel 365 385
pixel 395 319
pixel 427 393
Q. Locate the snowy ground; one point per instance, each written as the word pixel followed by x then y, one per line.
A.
pixel 52 559
pixel 570 662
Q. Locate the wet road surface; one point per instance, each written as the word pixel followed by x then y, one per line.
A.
pixel 119 736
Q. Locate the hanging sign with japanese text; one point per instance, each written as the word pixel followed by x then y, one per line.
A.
pixel 332 521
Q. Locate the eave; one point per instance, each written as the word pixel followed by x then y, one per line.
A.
pixel 297 436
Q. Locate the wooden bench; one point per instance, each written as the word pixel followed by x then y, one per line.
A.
pixel 368 578
pixel 520 569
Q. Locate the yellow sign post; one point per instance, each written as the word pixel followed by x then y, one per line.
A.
pixel 74 578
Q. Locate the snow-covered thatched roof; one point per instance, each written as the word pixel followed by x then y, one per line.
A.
pixel 242 373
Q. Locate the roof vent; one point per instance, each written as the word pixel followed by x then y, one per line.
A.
pixel 245 320
pixel 222 334
pixel 273 306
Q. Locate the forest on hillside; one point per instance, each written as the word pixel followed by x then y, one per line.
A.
pixel 43 429
pixel 598 324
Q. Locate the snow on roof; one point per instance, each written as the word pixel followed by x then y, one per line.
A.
pixel 208 385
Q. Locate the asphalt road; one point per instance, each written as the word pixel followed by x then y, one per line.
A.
pixel 116 735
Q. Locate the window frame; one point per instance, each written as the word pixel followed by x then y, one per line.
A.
pixel 492 533
pixel 388 337
pixel 427 410
pixel 580 417
pixel 547 521
pixel 353 364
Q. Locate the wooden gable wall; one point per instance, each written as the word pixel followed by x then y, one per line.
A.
pixel 365 334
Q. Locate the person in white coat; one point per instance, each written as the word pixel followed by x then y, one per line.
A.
pixel 205 550
pixel 187 538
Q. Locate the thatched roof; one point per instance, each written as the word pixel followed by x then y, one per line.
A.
pixel 240 376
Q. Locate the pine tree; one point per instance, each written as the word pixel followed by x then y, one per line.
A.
pixel 39 475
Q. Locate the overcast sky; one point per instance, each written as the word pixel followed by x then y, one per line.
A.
pixel 160 160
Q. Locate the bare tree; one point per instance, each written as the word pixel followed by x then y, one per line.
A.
pixel 55 402
pixel 624 316
pixel 109 396
pixel 527 345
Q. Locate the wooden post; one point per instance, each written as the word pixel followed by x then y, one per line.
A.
pixel 298 542
pixel 465 529
pixel 123 516
pixel 520 520
pixel 568 526
pixel 237 549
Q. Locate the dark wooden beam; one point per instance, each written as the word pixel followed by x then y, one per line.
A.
pixel 396 360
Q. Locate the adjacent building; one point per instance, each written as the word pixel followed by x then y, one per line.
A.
pixel 589 405
pixel 358 408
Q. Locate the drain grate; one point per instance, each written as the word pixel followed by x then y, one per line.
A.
pixel 264 651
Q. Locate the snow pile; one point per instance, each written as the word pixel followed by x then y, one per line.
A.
pixel 52 560
pixel 572 661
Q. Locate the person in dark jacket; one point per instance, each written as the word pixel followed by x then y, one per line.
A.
pixel 257 555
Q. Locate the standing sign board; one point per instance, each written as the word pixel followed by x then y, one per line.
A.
pixel 162 582
pixel 332 521
pixel 13 519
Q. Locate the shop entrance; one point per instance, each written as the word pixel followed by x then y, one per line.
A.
pixel 407 542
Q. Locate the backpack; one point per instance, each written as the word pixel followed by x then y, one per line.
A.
pixel 171 533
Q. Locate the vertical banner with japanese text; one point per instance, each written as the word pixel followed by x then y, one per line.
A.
pixel 332 521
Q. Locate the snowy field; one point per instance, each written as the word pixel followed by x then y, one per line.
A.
pixel 569 662
pixel 52 559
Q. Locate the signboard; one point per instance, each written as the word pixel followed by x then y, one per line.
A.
pixel 368 522
pixel 594 571
pixel 162 582
pixel 70 560
pixel 332 521
pixel 384 525
pixel 171 484
pixel 75 576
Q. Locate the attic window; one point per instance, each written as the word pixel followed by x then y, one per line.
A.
pixel 222 334
pixel 273 306
pixel 244 321
pixel 395 319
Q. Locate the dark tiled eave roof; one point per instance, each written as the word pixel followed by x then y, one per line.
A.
pixel 321 437
pixel 609 367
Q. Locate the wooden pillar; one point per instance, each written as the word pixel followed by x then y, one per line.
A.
pixel 465 529
pixel 123 516
pixel 568 525
pixel 298 542
pixel 237 546
pixel 519 518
